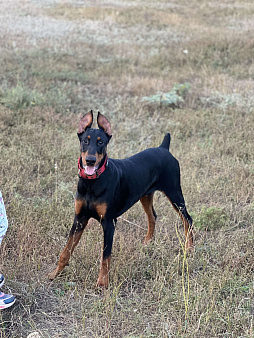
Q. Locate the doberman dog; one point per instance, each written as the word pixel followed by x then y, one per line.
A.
pixel 108 187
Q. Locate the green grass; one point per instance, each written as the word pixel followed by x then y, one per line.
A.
pixel 111 57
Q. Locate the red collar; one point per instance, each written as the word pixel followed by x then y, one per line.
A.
pixel 98 172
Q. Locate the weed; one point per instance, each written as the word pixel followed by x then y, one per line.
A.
pixel 172 98
pixel 21 97
pixel 224 101
pixel 210 218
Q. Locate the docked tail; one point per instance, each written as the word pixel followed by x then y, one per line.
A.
pixel 166 141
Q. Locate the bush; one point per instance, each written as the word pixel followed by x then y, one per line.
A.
pixel 21 97
pixel 172 98
pixel 210 218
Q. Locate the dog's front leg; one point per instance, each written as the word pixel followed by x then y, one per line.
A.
pixel 108 228
pixel 74 237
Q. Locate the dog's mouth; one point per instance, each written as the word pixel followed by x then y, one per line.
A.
pixel 90 170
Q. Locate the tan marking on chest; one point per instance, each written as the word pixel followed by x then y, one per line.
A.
pixel 79 204
pixel 101 209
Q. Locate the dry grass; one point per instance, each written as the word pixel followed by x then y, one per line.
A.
pixel 61 59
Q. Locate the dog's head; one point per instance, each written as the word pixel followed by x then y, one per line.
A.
pixel 93 142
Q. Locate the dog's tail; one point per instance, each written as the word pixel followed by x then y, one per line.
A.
pixel 166 141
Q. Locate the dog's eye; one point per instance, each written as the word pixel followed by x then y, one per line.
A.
pixel 86 141
pixel 100 142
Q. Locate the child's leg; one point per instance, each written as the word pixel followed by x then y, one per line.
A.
pixel 3 218
pixel 5 299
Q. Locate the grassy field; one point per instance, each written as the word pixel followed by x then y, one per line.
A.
pixel 184 67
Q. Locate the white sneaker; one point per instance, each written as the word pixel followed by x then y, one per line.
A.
pixel 6 300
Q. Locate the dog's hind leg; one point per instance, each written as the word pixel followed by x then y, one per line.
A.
pixel 147 203
pixel 178 203
pixel 176 198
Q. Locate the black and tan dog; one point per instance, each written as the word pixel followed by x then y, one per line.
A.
pixel 108 187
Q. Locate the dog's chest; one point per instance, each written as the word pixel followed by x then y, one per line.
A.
pixel 91 202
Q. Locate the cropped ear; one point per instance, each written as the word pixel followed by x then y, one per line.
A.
pixel 104 124
pixel 85 122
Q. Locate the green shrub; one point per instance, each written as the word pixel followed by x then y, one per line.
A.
pixel 225 101
pixel 210 218
pixel 21 97
pixel 172 98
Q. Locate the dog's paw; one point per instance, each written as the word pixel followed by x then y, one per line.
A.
pixel 52 275
pixel 147 240
pixel 102 282
pixel 189 247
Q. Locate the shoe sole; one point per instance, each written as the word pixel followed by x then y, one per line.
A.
pixel 7 305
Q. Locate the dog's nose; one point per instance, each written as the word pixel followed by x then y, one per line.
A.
pixel 90 160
